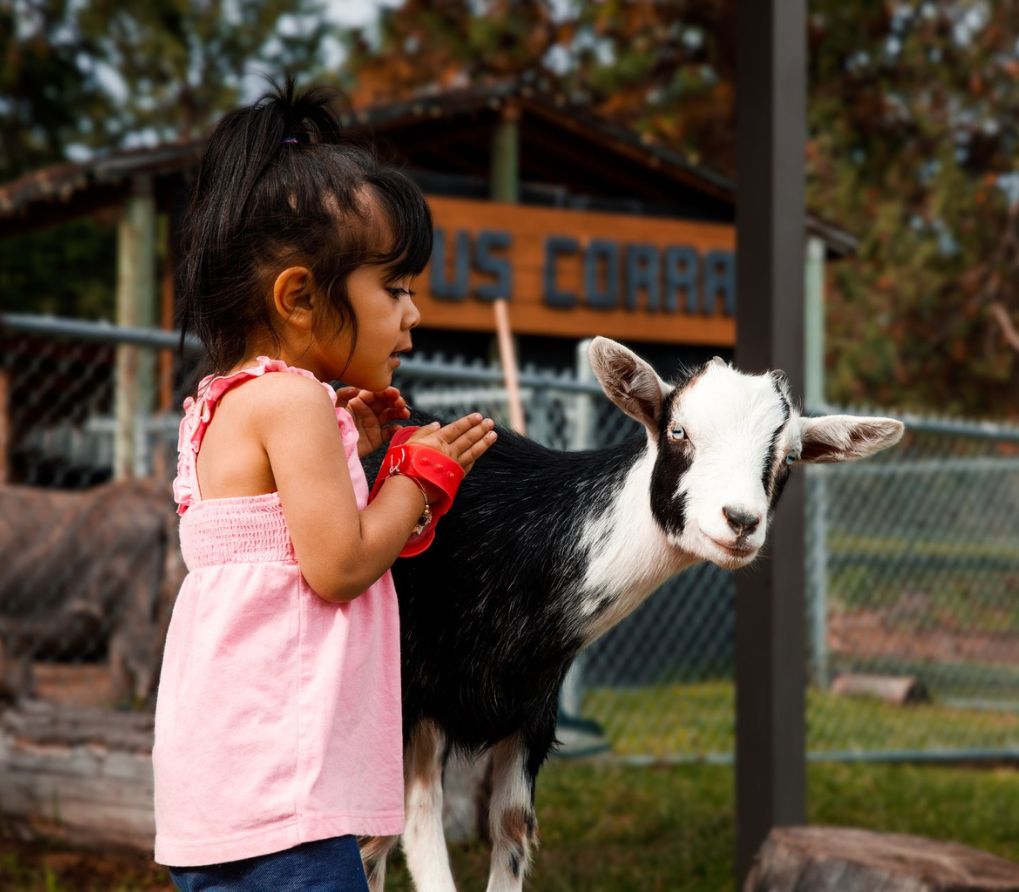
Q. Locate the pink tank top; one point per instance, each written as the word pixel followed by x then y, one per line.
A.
pixel 278 712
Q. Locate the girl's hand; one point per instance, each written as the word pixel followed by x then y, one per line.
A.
pixel 374 415
pixel 464 440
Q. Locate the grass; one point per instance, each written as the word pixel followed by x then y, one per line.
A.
pixel 698 719
pixel 611 827
pixel 617 828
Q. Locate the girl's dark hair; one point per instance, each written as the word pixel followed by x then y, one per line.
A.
pixel 279 186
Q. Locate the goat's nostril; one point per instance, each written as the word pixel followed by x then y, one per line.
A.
pixel 741 522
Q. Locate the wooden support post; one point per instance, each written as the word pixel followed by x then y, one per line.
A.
pixel 5 426
pixel 166 290
pixel 505 186
pixel 771 232
pixel 136 292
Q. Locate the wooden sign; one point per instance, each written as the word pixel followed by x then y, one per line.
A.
pixel 578 273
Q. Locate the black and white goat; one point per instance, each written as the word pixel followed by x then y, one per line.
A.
pixel 544 551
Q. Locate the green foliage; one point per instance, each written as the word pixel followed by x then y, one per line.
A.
pixel 913 121
pixel 48 94
pixel 67 270
pixel 182 61
pixel 105 74
pixel 914 125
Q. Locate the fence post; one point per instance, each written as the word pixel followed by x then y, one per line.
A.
pixel 817 476
pixel 136 289
pixel 817 577
pixel 587 735
pixel 583 405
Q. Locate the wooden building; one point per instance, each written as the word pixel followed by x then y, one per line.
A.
pixel 580 225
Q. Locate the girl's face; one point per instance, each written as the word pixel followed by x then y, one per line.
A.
pixel 385 314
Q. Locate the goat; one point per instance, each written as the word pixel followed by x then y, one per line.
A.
pixel 544 551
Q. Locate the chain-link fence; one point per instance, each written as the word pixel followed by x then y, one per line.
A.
pixel 912 559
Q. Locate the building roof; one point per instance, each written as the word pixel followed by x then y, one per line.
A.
pixel 568 157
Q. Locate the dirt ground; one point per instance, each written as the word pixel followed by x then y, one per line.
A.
pixel 33 867
pixel 872 633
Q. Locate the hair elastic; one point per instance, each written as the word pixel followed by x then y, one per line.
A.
pixel 293 140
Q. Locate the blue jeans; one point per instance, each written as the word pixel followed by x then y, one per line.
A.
pixel 325 865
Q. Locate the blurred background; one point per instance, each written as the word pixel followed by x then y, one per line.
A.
pixel 579 161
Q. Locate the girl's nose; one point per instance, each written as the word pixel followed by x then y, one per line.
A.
pixel 412 316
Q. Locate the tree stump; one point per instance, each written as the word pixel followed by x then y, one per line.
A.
pixel 838 859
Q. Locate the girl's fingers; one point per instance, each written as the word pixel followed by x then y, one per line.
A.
pixel 451 432
pixel 468 438
pixel 344 395
pixel 475 452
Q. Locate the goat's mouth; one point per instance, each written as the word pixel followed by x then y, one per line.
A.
pixel 736 553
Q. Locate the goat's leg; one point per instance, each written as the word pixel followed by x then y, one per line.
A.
pixel 423 840
pixel 511 817
pixel 374 851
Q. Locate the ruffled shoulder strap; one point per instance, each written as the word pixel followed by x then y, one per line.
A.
pixel 198 413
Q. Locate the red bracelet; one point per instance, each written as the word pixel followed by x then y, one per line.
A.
pixel 420 463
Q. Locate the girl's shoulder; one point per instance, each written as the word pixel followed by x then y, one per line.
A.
pixel 283 386
pixel 280 399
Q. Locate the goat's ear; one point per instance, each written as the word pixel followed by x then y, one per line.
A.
pixel 628 381
pixel 832 438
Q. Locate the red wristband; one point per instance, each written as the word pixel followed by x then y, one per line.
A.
pixel 425 464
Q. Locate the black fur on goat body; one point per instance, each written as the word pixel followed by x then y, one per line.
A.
pixel 490 613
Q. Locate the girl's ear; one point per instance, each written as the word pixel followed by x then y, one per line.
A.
pixel 293 296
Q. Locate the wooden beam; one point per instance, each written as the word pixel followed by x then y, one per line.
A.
pixel 5 426
pixel 770 608
pixel 136 301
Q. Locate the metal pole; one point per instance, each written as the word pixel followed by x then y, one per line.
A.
pixel 817 476
pixel 572 692
pixel 770 614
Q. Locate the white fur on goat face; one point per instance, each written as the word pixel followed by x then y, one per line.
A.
pixel 724 444
pixel 723 441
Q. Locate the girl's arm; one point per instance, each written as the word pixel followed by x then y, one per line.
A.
pixel 341 551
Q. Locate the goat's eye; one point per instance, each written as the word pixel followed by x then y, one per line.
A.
pixel 677 433
pixel 792 458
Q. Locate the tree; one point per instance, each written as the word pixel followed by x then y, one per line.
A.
pixel 664 69
pixel 182 62
pixel 913 138
pixel 99 75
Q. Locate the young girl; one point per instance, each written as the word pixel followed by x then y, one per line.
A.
pixel 278 733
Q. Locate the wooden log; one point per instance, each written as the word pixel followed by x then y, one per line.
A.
pixel 894 689
pixel 83 776
pixel 839 859
pixel 78 775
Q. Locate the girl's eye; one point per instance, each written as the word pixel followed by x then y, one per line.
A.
pixel 792 458
pixel 400 292
pixel 677 433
